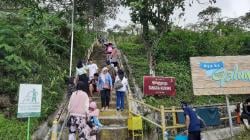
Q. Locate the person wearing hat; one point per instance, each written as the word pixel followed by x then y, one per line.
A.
pixel 104 85
pixel 192 122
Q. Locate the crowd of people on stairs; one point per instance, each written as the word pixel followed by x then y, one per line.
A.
pixel 89 80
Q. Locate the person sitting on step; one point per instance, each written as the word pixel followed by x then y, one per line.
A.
pixel 93 84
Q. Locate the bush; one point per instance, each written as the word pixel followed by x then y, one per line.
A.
pixel 34 48
pixel 172 59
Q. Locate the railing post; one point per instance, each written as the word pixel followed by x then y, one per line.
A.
pixel 130 104
pixel 163 123
pixel 174 119
pixel 54 130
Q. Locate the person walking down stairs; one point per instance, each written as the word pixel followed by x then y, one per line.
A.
pixel 105 86
pixel 121 84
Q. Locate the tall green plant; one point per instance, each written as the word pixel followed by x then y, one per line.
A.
pixel 34 48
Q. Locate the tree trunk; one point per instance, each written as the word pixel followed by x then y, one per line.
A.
pixel 93 24
pixel 151 61
pixel 146 38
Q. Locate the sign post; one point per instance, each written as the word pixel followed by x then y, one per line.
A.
pixel 29 102
pixel 155 85
pixel 221 75
pixel 28 129
pixel 230 116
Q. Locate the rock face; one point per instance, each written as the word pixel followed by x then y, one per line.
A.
pixel 220 134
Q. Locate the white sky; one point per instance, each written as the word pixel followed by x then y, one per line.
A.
pixel 230 8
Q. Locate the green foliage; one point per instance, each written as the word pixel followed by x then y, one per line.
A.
pixel 14 129
pixel 180 44
pixel 34 48
pixel 244 135
pixel 155 11
pixel 136 55
pixel 209 13
pixel 172 58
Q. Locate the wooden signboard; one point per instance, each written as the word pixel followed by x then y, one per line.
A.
pixel 220 75
pixel 155 85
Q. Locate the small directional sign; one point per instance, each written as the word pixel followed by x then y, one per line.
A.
pixel 29 102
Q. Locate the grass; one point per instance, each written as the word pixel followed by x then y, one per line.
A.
pixel 15 129
pixel 133 48
pixel 137 59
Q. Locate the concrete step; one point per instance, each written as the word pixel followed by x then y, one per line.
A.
pixel 98 98
pixel 113 132
pixel 118 119
pixel 113 112
pixel 112 104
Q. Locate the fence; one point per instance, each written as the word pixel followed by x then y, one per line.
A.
pixel 59 117
pixel 164 118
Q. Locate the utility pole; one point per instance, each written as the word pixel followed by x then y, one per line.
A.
pixel 72 38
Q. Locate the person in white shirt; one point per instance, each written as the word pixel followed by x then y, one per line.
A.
pixel 92 67
pixel 120 92
pixel 80 70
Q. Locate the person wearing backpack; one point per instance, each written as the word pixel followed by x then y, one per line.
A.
pixel 121 84
pixel 192 122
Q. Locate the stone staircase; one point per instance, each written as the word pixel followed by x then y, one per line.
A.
pixel 115 122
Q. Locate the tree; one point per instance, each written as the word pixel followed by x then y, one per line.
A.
pixel 209 14
pixel 246 20
pixel 116 27
pixel 99 24
pixel 87 11
pixel 158 13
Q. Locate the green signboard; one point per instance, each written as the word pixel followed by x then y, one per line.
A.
pixel 29 102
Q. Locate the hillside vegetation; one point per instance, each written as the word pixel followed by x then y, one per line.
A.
pixel 172 58
pixel 34 48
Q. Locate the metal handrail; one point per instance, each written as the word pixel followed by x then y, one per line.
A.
pixel 145 104
pixel 145 118
pixel 54 135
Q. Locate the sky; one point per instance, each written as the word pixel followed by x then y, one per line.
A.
pixel 229 8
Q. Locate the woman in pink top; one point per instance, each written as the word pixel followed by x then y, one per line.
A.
pixel 78 109
pixel 114 56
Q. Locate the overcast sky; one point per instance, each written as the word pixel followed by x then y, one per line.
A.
pixel 230 8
